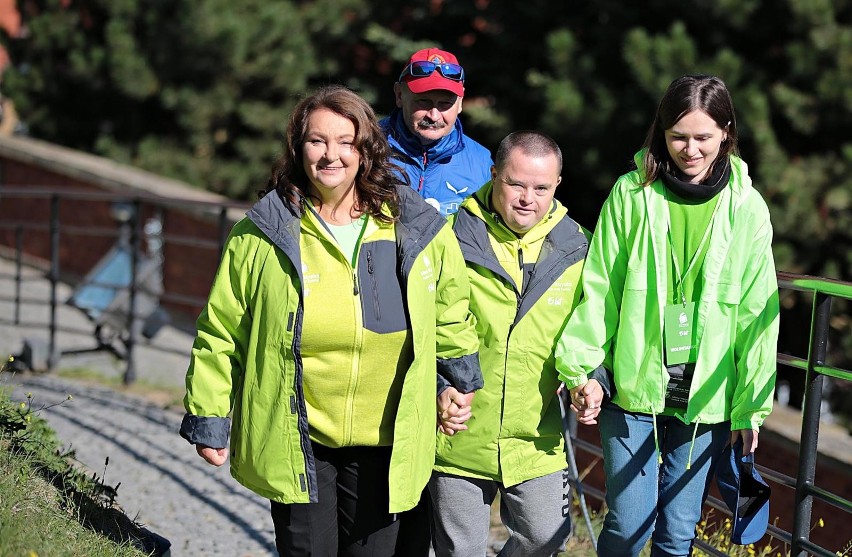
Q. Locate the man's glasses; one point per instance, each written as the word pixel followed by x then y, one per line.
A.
pixel 425 68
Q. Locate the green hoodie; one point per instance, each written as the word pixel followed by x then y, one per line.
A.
pixel 515 432
pixel 620 321
pixel 246 361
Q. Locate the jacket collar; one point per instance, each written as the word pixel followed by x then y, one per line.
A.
pixel 565 244
pixel 403 141
pixel 481 206
pixel 418 225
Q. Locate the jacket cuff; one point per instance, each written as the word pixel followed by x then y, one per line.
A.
pixel 745 424
pixel 209 431
pixel 462 373
pixel 604 377
pixel 443 384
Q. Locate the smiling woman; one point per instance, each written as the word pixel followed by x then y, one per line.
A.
pixel 681 301
pixel 693 144
pixel 331 163
pixel 338 299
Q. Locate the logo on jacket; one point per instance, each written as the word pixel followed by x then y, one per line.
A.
pixel 428 274
pixel 308 278
pixel 434 203
pixel 454 190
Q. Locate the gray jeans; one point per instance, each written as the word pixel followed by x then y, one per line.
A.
pixel 536 513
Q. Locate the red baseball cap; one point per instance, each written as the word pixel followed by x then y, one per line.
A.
pixel 436 79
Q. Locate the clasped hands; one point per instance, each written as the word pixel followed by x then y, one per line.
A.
pixel 454 409
pixel 586 401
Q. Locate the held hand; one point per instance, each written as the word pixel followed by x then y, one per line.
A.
pixel 586 401
pixel 454 409
pixel 749 439
pixel 216 457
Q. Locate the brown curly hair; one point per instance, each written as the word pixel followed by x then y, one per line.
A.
pixel 377 177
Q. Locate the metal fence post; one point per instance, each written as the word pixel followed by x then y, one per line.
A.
pixel 19 256
pixel 135 236
pixel 810 423
pixel 223 228
pixel 52 356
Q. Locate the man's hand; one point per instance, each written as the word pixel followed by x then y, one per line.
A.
pixel 216 457
pixel 454 409
pixel 586 401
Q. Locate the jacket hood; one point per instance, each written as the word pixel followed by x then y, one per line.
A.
pixel 564 243
pixel 479 205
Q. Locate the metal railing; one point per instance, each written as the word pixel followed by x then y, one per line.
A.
pixel 816 369
pixel 204 211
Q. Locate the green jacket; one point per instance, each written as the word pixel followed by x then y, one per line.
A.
pixel 246 360
pixel 515 432
pixel 620 321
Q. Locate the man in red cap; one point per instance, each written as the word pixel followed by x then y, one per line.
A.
pixel 442 163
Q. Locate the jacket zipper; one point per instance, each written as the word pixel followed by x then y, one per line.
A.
pixel 423 172
pixel 374 287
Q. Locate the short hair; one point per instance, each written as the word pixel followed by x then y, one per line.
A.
pixel 375 182
pixel 529 142
pixel 686 94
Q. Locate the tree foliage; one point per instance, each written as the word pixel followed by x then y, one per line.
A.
pixel 200 90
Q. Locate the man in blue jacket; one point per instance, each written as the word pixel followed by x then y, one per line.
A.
pixel 443 164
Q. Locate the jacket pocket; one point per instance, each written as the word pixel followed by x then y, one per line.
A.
pixel 382 303
pixel 636 280
pixel 726 293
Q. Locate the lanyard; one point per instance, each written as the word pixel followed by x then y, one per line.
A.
pixel 680 277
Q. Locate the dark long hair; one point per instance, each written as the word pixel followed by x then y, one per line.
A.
pixel 375 182
pixel 684 95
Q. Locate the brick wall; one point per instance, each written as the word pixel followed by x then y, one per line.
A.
pixel 87 188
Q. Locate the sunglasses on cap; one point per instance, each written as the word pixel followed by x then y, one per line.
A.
pixel 425 68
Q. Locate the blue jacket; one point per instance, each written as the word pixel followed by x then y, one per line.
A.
pixel 445 173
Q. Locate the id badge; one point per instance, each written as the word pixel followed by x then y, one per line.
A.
pixel 679 331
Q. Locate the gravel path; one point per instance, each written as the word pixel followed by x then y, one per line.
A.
pixel 165 486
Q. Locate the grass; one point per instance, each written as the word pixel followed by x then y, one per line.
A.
pixel 50 508
pixel 163 395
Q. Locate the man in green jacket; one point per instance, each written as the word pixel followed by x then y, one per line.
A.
pixel 524 259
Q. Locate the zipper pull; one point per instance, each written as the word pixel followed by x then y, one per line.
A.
pixel 354 284
pixel 370 262
pixel 422 172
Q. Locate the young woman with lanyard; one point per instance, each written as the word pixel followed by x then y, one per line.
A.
pixel 681 304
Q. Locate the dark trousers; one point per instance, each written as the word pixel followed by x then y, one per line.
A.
pixel 351 518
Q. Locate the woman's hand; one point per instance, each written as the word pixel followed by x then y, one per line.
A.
pixel 216 457
pixel 749 439
pixel 454 409
pixel 586 401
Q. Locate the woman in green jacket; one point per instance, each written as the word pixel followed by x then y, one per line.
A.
pixel 338 299
pixel 681 304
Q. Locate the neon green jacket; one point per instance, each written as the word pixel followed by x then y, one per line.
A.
pixel 620 321
pixel 515 432
pixel 246 363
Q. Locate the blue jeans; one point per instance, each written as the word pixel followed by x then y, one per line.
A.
pixel 645 497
